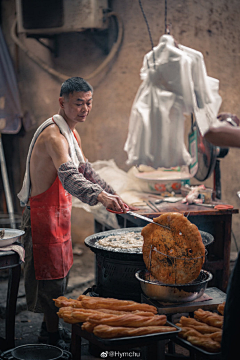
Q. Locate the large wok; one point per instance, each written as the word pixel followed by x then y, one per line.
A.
pixel 92 242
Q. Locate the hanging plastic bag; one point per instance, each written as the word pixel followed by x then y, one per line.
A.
pixel 168 91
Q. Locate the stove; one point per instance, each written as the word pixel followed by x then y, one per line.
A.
pixel 116 268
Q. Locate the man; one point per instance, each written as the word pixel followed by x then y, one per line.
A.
pixel 56 169
pixel 229 136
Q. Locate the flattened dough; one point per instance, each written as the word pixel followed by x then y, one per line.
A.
pixel 183 245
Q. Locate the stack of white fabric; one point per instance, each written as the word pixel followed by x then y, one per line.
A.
pixel 176 83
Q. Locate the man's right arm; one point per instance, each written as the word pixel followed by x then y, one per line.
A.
pixel 74 182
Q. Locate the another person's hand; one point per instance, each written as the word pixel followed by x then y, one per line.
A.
pixel 112 202
pixel 230 118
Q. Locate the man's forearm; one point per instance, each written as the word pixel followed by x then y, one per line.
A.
pixel 90 174
pixel 77 185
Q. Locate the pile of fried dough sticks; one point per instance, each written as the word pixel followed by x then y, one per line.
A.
pixel 204 330
pixel 112 318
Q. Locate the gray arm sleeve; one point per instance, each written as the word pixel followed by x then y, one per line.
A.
pixel 77 185
pixel 90 174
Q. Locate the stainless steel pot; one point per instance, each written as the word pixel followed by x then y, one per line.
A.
pixel 37 352
pixel 174 293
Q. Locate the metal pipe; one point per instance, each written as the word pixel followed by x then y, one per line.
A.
pixel 6 186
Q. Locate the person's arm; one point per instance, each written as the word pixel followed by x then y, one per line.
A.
pixel 90 174
pixel 227 134
pixel 224 136
pixel 73 181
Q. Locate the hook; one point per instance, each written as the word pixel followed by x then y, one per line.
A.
pixel 168 29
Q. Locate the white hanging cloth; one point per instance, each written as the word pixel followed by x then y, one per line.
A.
pixel 174 85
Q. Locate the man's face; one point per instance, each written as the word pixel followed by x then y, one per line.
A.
pixel 77 106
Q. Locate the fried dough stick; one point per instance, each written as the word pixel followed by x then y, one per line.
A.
pixel 87 326
pixel 205 343
pixel 116 312
pixel 65 313
pixel 81 297
pixel 62 301
pixel 190 331
pixel 129 320
pixel 209 318
pixel 108 332
pixel 73 315
pixel 115 304
pixel 221 307
pixel 203 328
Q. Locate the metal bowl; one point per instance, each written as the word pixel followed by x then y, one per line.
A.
pixel 10 236
pixel 174 293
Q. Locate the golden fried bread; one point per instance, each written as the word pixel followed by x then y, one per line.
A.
pixel 108 332
pixel 209 318
pixel 201 327
pixel 109 318
pixel 129 320
pixel 205 343
pixel 200 332
pixel 221 307
pixel 182 244
pixel 115 304
pixel 87 326
pixel 63 301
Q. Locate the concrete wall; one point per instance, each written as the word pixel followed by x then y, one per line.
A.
pixel 209 26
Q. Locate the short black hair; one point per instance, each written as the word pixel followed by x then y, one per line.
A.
pixel 75 84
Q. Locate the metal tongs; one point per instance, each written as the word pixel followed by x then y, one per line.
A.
pixel 137 215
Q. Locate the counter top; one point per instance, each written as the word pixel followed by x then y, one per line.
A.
pixel 192 209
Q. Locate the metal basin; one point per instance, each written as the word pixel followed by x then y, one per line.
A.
pixel 173 293
pixel 10 236
pixel 37 352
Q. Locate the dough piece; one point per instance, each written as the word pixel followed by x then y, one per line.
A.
pixel 121 312
pixel 182 244
pixel 129 320
pixel 201 327
pixel 221 307
pixel 115 304
pixel 205 343
pixel 193 331
pixel 109 332
pixel 65 313
pixel 62 301
pixel 87 326
pixel 212 319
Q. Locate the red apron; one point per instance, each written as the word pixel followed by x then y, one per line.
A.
pixel 51 232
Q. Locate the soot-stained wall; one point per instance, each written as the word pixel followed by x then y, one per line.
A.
pixel 211 27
